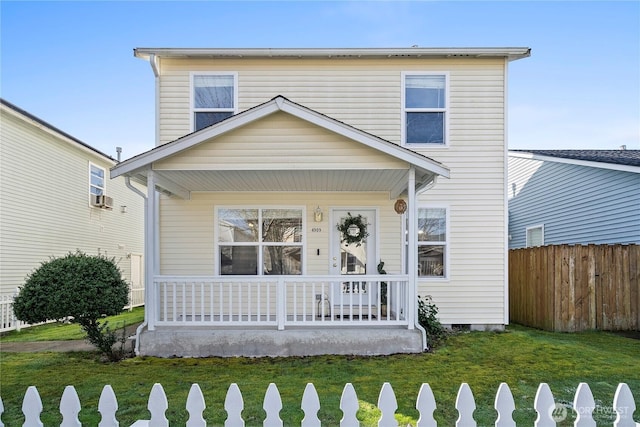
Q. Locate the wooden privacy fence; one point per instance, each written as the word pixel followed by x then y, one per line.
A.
pixel 572 288
pixel 548 411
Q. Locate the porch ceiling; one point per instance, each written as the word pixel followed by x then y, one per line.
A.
pixel 180 183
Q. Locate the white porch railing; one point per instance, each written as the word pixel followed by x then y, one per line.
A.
pixel 549 413
pixel 280 301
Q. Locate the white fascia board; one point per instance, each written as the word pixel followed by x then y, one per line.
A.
pixel 601 165
pixel 511 53
pixel 354 134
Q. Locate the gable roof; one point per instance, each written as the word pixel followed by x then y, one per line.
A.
pixel 426 168
pixel 624 160
pixel 25 115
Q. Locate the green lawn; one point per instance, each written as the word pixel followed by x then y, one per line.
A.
pixel 69 331
pixel 522 357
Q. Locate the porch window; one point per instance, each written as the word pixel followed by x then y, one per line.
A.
pixel 425 108
pixel 432 242
pixel 214 98
pixel 257 241
pixel 96 180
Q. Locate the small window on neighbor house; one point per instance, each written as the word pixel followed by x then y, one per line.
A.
pixel 432 242
pixel 213 99
pixel 425 108
pixel 96 180
pixel 535 236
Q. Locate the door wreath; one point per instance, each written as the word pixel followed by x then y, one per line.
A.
pixel 353 229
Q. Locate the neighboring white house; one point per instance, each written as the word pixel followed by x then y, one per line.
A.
pixel 573 197
pixel 56 197
pixel 262 153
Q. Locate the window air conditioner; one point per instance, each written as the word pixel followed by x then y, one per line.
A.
pixel 102 201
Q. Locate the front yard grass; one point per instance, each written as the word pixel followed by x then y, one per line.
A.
pixel 521 357
pixel 60 331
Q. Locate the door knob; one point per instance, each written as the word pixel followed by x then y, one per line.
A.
pixel 335 264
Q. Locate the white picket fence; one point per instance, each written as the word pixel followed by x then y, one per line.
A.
pixel 548 411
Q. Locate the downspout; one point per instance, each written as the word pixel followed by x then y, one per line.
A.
pixel 153 61
pixel 127 181
pixel 423 331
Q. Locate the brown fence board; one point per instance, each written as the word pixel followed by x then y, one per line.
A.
pixel 575 287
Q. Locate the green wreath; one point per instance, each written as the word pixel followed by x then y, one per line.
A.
pixel 353 229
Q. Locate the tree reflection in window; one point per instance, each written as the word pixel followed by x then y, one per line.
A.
pixel 271 238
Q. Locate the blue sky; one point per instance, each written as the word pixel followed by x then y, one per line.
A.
pixel 72 64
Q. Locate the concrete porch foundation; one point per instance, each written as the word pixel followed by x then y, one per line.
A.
pixel 204 342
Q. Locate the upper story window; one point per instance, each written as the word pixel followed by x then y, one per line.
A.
pixel 258 241
pixel 425 102
pixel 96 180
pixel 213 98
pixel 432 242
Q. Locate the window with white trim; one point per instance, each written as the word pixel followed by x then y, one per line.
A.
pixel 424 113
pixel 535 236
pixel 432 242
pixel 96 180
pixel 213 98
pixel 260 241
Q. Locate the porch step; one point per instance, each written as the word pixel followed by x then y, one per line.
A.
pixel 204 342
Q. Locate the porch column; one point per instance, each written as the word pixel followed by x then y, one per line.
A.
pixel 412 247
pixel 150 252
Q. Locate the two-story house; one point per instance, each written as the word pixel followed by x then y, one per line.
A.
pixel 283 177
pixel 56 198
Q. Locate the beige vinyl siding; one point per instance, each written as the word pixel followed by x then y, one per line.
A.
pixel 366 93
pixel 188 227
pixel 280 141
pixel 45 205
pixel 474 293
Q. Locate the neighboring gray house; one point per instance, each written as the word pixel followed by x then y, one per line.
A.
pixel 573 197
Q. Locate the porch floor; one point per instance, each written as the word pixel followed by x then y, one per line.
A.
pixel 203 341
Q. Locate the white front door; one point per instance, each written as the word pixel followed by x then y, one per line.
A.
pixel 354 259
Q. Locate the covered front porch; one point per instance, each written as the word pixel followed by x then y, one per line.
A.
pixel 220 283
pixel 280 316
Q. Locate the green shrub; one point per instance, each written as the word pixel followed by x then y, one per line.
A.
pixel 78 286
pixel 428 319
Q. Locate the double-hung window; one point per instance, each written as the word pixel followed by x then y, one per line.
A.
pixel 213 98
pixel 259 241
pixel 425 106
pixel 96 180
pixel 432 242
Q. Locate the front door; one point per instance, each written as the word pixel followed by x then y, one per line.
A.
pixel 351 260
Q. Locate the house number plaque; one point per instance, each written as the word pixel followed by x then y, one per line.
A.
pixel 316 230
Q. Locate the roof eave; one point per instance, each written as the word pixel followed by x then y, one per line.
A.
pixel 590 163
pixel 511 53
